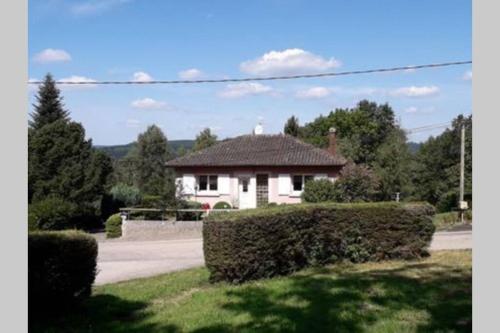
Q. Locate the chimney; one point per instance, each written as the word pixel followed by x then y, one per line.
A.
pixel 259 129
pixel 332 141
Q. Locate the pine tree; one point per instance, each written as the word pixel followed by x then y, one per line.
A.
pixel 49 107
pixel 292 126
pixel 204 140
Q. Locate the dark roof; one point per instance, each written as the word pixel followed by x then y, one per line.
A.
pixel 260 150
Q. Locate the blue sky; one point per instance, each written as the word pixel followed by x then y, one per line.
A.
pixel 153 39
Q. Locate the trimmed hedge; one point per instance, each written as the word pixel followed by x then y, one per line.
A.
pixel 261 243
pixel 61 269
pixel 222 205
pixel 114 226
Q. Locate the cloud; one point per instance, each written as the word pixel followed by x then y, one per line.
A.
pixel 31 86
pixel 314 93
pixel 52 55
pixel 132 123
pixel 414 91
pixel 142 77
pixel 415 110
pixel 76 78
pixel 95 6
pixel 467 76
pixel 243 89
pixel 190 74
pixel 148 104
pixel 287 62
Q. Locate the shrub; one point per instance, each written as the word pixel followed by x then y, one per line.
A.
pixel 447 202
pixel 261 243
pixel 189 216
pixel 222 205
pixel 114 226
pixel 319 191
pixel 61 269
pixel 52 213
pixel 152 201
pixel 356 183
pixel 126 195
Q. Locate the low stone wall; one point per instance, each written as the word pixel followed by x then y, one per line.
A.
pixel 161 230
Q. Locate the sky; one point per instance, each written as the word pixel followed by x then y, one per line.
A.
pixel 166 40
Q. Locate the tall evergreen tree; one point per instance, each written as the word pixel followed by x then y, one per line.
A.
pixel 153 178
pixel 292 126
pixel 204 140
pixel 49 107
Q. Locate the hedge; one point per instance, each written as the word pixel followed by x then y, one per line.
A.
pixel 260 243
pixel 61 269
pixel 114 226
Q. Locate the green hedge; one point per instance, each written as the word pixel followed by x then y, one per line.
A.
pixel 261 243
pixel 114 226
pixel 61 269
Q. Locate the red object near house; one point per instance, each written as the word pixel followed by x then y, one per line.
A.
pixel 205 206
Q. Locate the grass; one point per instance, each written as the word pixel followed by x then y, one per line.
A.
pixel 445 221
pixel 429 295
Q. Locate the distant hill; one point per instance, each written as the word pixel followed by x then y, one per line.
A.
pixel 119 151
pixel 414 146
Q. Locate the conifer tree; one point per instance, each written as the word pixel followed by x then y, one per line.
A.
pixel 49 107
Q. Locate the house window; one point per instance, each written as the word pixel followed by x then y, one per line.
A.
pixel 299 182
pixel 244 185
pixel 207 183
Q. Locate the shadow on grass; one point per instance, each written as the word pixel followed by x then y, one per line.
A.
pixel 101 313
pixel 356 302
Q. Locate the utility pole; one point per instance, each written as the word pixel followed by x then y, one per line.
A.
pixel 462 205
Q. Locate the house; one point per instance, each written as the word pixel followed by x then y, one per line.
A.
pixel 249 171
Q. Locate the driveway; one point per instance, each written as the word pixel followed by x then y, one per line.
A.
pixel 124 260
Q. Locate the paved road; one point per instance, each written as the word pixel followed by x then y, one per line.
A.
pixel 125 260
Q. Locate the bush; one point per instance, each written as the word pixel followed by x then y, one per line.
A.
pixel 222 205
pixel 260 243
pixel 152 201
pixel 61 269
pixel 52 213
pixel 321 190
pixel 356 183
pixel 114 226
pixel 189 216
pixel 126 195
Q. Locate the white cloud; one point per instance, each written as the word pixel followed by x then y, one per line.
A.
pixel 289 61
pixel 95 6
pixel 314 92
pixel 76 78
pixel 190 74
pixel 467 76
pixel 32 86
pixel 411 109
pixel 148 104
pixel 52 55
pixel 142 77
pixel 415 110
pixel 243 89
pixel 414 91
pixel 132 123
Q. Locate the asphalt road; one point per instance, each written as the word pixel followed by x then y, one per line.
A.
pixel 124 260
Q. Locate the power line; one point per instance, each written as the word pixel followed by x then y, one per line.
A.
pixel 267 78
pixel 427 127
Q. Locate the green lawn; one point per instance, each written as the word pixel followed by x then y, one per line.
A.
pixel 431 295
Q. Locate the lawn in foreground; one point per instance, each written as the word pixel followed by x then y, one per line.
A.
pixel 430 295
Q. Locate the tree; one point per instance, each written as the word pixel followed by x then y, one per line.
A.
pixel 356 183
pixel 437 175
pixel 152 176
pixel 49 107
pixel 204 140
pixel 292 126
pixel 320 190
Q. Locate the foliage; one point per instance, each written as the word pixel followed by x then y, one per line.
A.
pixel 114 226
pixel 204 140
pixel 49 106
pixel 52 213
pixel 429 295
pixel 222 205
pixel 188 216
pixel 356 183
pixel 126 195
pixel 292 126
pixel 361 130
pixel 320 190
pixel 438 165
pixel 61 269
pixel 281 240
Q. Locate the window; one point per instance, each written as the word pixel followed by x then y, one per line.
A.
pixel 299 181
pixel 244 185
pixel 207 183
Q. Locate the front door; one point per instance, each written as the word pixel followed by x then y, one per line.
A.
pixel 262 190
pixel 245 198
